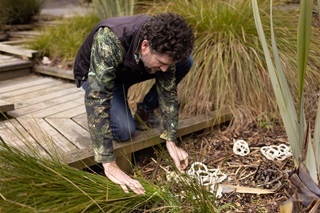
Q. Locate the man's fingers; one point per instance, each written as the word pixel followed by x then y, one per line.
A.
pixel 137 190
pixel 184 164
pixel 116 175
pixel 183 159
pixel 125 189
pixel 135 186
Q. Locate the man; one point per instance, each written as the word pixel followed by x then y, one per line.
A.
pixel 118 53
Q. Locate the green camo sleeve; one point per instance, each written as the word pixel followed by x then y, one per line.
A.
pixel 168 101
pixel 106 54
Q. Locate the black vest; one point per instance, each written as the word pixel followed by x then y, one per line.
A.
pixel 127 28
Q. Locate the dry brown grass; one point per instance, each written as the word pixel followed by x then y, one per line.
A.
pixel 229 67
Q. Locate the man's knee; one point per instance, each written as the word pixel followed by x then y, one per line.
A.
pixel 123 133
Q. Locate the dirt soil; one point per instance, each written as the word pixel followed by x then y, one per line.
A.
pixel 214 148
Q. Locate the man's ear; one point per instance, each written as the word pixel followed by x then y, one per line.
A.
pixel 144 44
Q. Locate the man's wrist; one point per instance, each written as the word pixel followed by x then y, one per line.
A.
pixel 108 165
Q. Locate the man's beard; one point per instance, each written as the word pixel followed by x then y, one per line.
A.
pixel 152 70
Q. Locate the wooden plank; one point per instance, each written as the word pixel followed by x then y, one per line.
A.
pixel 17 27
pixel 204 121
pixel 18 80
pixel 143 139
pixel 14 134
pixel 81 120
pixel 6 106
pixel 72 131
pixel 36 88
pixel 24 34
pixel 46 135
pixel 30 94
pixel 80 159
pixel 55 109
pixel 28 109
pixel 15 65
pixel 70 113
pixel 8 58
pixel 18 50
pixel 18 42
pixel 11 74
pixel 52 71
pixel 12 67
pixel 14 86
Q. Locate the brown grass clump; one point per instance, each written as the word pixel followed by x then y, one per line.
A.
pixel 229 69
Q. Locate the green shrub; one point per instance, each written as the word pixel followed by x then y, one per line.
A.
pixel 63 40
pixel 18 11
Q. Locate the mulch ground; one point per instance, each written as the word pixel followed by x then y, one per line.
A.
pixel 214 148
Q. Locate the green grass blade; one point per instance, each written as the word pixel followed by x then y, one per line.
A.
pixel 310 161
pixel 289 121
pixel 108 9
pixel 96 4
pixel 304 32
pixel 296 146
pixel 316 139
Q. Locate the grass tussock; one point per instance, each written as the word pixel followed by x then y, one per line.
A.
pixel 31 184
pixel 41 184
pixel 63 40
pixel 229 69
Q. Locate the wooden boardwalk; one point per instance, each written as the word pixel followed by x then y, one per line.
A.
pixel 49 115
pixel 11 66
pixel 48 112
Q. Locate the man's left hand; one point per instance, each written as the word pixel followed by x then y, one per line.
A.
pixel 179 156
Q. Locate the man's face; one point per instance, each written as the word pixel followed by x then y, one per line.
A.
pixel 152 61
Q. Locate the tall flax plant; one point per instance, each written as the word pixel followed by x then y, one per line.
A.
pixel 228 68
pixel 112 8
pixel 306 149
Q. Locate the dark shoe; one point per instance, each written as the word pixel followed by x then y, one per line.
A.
pixel 145 120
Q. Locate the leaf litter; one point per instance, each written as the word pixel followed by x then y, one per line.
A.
pixel 214 148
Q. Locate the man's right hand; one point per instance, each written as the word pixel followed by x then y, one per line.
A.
pixel 116 175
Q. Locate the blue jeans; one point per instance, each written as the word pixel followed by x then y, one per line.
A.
pixel 122 123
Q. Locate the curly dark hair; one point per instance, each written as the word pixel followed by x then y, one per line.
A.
pixel 169 33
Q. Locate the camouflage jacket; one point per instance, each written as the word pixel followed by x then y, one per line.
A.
pixel 107 55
